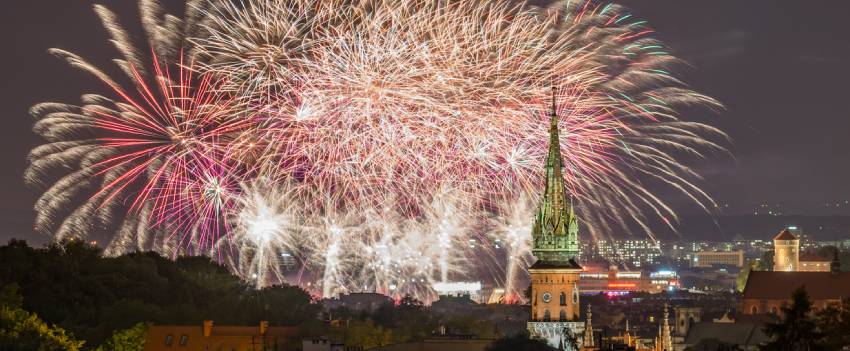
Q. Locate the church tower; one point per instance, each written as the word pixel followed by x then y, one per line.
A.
pixel 555 274
pixel 786 252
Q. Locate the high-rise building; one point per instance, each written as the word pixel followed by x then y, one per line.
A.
pixel 786 256
pixel 718 258
pixel 555 274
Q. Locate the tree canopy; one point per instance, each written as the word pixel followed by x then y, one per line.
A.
pixel 794 330
pixel 72 285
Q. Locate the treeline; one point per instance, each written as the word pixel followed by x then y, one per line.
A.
pixel 72 286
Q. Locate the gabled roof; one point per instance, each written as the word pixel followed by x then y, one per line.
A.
pixel 785 234
pixel 763 285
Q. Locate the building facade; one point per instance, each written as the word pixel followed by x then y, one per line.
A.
pixel 718 258
pixel 786 257
pixel 810 262
pixel 555 274
pixel 768 292
pixel 208 336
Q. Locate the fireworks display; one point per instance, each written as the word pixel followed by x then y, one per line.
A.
pixel 365 145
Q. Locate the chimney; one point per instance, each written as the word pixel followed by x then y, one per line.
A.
pixel 835 265
pixel 208 328
pixel 264 325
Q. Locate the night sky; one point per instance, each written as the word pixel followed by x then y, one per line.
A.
pixel 780 67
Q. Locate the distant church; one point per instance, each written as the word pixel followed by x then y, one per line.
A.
pixel 555 275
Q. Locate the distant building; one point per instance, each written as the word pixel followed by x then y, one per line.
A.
pixel 767 292
pixel 786 256
pixel 715 258
pixel 635 253
pixel 811 262
pixel 685 318
pixel 747 334
pixel 616 282
pixel 207 337
pixel 323 344
pixel 471 289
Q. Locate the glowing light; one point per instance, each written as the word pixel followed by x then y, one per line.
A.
pixel 384 152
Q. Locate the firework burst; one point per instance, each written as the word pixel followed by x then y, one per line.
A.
pixel 386 145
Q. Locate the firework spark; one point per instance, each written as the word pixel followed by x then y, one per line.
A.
pixel 386 145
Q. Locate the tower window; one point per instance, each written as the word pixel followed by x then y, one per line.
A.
pixel 563 315
pixel 546 316
pixel 563 299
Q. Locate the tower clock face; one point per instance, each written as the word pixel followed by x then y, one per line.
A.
pixel 547 297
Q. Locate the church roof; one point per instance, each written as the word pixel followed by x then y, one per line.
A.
pixel 785 234
pixel 763 285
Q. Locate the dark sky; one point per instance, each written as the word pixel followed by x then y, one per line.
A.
pixel 780 67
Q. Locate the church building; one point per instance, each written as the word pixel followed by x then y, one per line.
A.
pixel 555 275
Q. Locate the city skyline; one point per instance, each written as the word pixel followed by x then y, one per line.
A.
pixel 477 175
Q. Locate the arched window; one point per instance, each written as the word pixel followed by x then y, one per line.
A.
pixel 755 310
pixel 546 316
pixel 563 299
pixel 563 315
pixel 575 296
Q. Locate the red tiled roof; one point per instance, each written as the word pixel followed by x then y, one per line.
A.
pixel 813 257
pixel 763 285
pixel 785 234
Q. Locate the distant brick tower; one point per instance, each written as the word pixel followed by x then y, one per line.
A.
pixel 555 274
pixel 786 252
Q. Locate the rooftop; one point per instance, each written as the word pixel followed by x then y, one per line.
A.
pixel 780 285
pixel 785 234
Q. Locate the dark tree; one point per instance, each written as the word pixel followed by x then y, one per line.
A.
pixel 520 342
pixel 24 331
pixel 71 285
pixel 766 262
pixel 794 330
pixel 834 323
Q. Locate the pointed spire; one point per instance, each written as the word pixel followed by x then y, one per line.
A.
pixel 666 337
pixel 555 217
pixel 554 99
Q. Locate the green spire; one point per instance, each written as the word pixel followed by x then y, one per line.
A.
pixel 555 231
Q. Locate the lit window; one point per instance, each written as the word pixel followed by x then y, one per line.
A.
pixel 169 339
pixel 184 339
